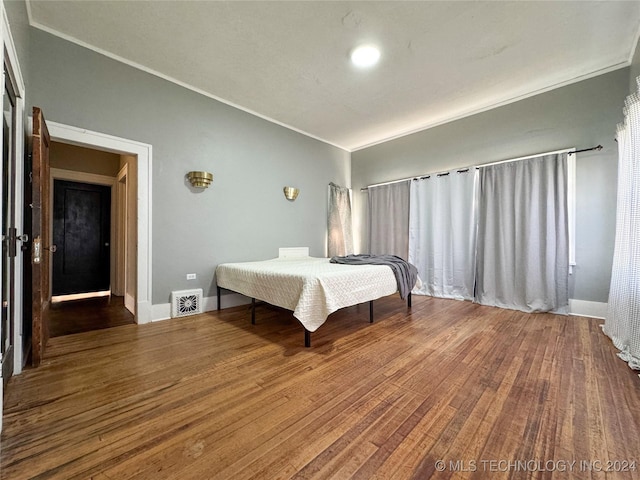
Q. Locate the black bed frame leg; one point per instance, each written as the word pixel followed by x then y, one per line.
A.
pixel 307 338
pixel 371 311
pixel 409 300
pixel 218 289
pixel 253 311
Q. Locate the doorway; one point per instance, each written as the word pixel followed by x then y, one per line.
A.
pixel 89 229
pixel 139 181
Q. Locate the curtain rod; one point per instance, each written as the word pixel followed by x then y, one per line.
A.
pixel 466 169
pixel 597 147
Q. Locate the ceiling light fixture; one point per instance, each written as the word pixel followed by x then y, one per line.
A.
pixel 365 56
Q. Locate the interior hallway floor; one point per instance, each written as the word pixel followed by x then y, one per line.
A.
pixel 77 316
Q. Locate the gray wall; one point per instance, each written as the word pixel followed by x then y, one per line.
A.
pixel 580 115
pixel 243 215
pixel 20 32
pixel 635 69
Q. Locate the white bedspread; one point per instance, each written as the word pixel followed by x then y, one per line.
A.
pixel 311 287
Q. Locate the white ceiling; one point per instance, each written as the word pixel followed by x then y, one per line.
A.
pixel 289 61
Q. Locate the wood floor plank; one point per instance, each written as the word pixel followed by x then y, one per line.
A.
pixel 214 397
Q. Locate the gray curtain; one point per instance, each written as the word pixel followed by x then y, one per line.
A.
pixel 339 229
pixel 389 219
pixel 523 246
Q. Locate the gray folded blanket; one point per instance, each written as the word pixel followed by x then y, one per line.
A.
pixel 405 273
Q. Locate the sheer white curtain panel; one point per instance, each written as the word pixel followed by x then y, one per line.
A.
pixel 622 323
pixel 339 226
pixel 442 233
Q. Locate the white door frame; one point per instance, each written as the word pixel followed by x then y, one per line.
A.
pixel 87 138
pixel 119 282
pixel 124 243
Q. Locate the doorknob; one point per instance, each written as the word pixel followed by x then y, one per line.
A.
pixel 52 248
pixel 23 238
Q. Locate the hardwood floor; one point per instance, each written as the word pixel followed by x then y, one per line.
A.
pixel 213 397
pixel 76 316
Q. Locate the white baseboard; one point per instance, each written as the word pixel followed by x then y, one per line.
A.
pixel 162 311
pixel 585 308
pixel 228 301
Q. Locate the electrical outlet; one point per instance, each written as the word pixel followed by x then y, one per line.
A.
pixel 191 276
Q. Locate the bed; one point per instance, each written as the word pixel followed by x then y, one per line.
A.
pixel 311 287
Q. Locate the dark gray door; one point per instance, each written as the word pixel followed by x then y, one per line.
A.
pixel 7 262
pixel 81 232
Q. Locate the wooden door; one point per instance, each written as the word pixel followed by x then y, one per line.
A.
pixel 81 233
pixel 41 244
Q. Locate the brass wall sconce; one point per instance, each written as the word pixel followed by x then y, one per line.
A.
pixel 200 179
pixel 291 193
